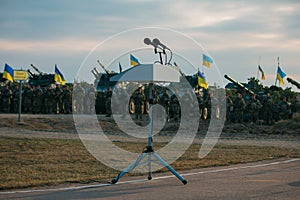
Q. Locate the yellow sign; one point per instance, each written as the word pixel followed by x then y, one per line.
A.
pixel 20 75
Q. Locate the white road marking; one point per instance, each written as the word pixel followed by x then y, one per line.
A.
pixel 154 178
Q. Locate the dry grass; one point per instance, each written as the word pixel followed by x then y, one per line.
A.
pixel 37 162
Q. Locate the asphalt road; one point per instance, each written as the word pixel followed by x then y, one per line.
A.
pixel 275 179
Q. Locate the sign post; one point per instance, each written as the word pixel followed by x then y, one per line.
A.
pixel 20 103
pixel 20 75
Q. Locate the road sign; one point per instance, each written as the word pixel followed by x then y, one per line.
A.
pixel 20 75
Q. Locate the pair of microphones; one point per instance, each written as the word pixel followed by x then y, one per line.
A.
pixel 156 43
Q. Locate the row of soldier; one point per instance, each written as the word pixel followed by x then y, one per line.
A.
pixel 170 103
pixel 56 100
pixel 36 100
pixel 260 110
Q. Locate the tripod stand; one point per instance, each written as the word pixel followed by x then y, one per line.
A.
pixel 149 151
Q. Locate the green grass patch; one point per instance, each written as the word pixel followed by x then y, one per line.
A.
pixel 33 162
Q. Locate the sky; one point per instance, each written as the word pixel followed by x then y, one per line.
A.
pixel 234 33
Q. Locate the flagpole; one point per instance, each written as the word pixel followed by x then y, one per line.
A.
pixel 258 66
pixel 277 70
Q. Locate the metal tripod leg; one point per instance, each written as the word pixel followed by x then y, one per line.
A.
pixel 149 166
pixel 169 168
pixel 129 168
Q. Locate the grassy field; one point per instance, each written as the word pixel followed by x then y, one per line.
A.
pixel 38 162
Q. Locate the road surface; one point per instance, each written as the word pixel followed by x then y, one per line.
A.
pixel 275 179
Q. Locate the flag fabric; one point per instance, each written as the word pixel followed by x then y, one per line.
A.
pixel 8 73
pixel 280 76
pixel 263 77
pixel 201 80
pixel 207 61
pixel 134 61
pixel 120 67
pixel 59 77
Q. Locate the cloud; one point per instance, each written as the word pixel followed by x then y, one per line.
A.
pixel 232 31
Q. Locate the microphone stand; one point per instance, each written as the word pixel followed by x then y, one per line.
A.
pixel 149 151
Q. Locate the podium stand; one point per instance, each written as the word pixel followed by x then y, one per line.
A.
pixel 148 73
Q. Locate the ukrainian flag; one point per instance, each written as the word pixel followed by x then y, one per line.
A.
pixel 207 61
pixel 263 77
pixel 8 73
pixel 134 61
pixel 280 76
pixel 59 77
pixel 201 80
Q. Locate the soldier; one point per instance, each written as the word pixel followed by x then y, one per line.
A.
pixel 268 106
pixel 58 106
pixel 284 109
pixel 108 96
pixel 253 107
pixel 156 100
pixel 92 99
pixel 37 100
pixel 213 106
pixel 6 99
pixel 79 95
pixel 1 99
pixel 67 100
pixel 229 108
pixel 200 102
pixel 139 99
pixel 174 105
pixel 43 109
pixel 27 99
pixel 187 101
pixel 15 99
pixel 49 100
pixel 165 102
pixel 295 106
pixel 239 106
pixel 124 100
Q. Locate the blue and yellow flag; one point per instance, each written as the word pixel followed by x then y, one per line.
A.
pixel 59 77
pixel 201 80
pixel 207 61
pixel 8 73
pixel 134 61
pixel 280 76
pixel 263 77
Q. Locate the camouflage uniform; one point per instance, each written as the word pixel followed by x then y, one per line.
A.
pixel 268 106
pixel 253 107
pixel 78 101
pixel 48 100
pixel 229 108
pixel 186 100
pixel 6 99
pixel 15 99
pixel 27 99
pixel 108 96
pixel 37 100
pixel 165 102
pixel 58 106
pixel 124 99
pixel 1 99
pixel 295 106
pixel 92 99
pixel 67 100
pixel 175 106
pixel 284 109
pixel 139 99
pixel 239 106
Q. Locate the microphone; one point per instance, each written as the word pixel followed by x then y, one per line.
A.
pixel 147 41
pixel 157 42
